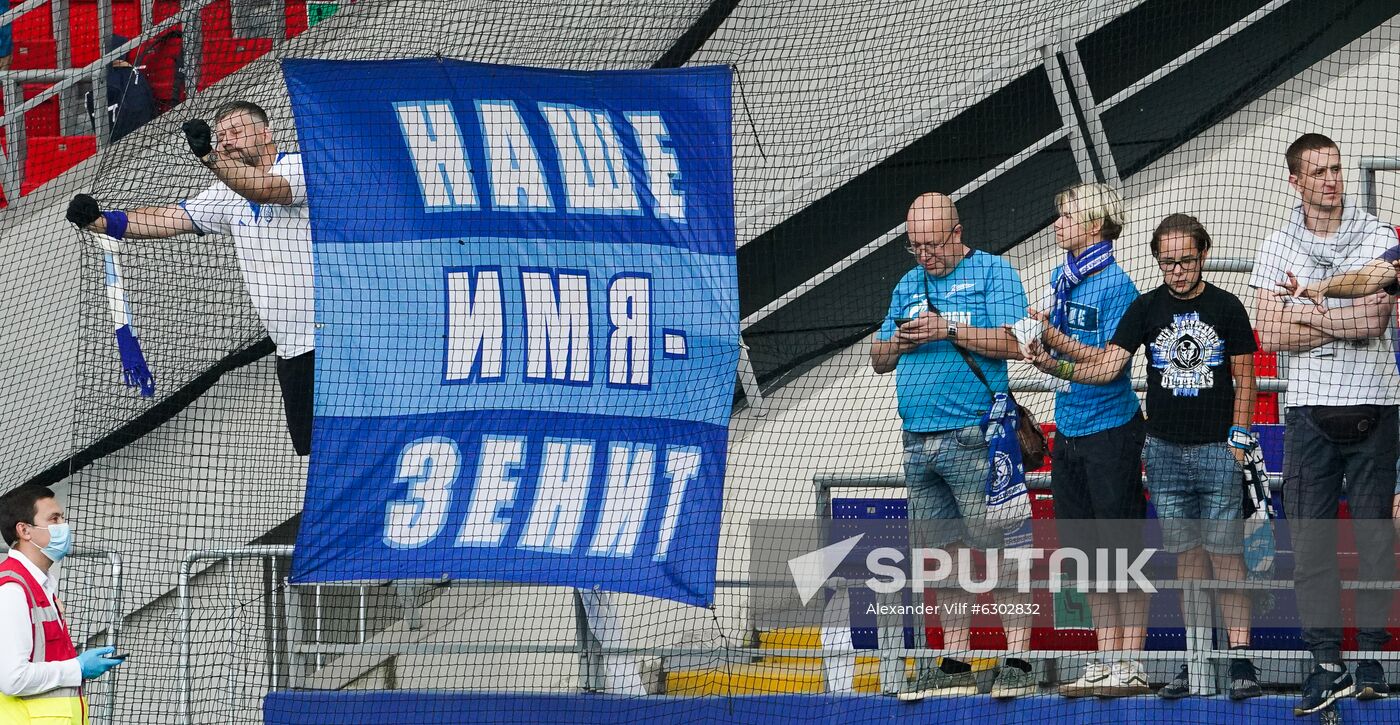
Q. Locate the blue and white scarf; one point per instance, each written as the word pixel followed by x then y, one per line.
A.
pixel 1074 271
pixel 1007 500
pixel 1258 513
pixel 135 373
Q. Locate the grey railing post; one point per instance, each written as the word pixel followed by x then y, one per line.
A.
pixel 182 605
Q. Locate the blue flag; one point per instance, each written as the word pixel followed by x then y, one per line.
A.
pixel 1008 502
pixel 527 317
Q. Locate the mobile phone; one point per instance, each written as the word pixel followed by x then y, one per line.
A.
pixel 119 656
pixel 902 321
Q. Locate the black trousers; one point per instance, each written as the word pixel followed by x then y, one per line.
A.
pixel 1313 471
pixel 295 376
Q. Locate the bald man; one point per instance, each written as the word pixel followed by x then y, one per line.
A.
pixel 953 298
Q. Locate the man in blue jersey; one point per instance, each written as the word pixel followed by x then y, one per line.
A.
pixel 1096 471
pixel 955 298
pixel 260 200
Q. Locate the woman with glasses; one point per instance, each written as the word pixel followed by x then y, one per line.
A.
pixel 1200 401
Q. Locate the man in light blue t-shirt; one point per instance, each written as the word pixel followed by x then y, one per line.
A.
pixel 955 297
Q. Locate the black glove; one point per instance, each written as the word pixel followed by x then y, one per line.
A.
pixel 83 210
pixel 199 136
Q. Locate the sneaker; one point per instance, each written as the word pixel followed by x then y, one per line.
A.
pixel 1179 687
pixel 934 682
pixel 1370 681
pixel 1128 679
pixel 1014 682
pixel 1244 681
pixel 1322 688
pixel 1096 676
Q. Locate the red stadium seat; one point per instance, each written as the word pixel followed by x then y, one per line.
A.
pixel 223 56
pixel 29 54
pixel 294 13
pixel 35 25
pixel 50 156
pixel 1265 366
pixel 42 121
pixel 82 26
pixel 158 58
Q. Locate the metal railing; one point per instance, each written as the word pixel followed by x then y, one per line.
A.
pixel 1369 166
pixel 185 612
pixel 106 715
pixel 1199 652
pixel 94 73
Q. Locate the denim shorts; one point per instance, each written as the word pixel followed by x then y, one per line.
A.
pixel 1198 495
pixel 946 474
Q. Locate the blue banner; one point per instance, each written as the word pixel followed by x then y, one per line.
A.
pixel 527 317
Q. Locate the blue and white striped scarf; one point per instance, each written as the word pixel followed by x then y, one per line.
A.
pixel 1074 271
pixel 135 373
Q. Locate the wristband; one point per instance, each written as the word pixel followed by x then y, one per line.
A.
pixel 116 223
pixel 1240 437
pixel 1064 369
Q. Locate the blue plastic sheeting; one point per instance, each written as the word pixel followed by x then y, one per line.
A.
pixel 434 708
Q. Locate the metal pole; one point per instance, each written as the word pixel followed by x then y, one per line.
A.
pixel 1369 166
pixel 270 618
pixel 114 562
pixel 13 170
pixel 319 658
pixel 295 658
pixel 182 603
pixel 364 604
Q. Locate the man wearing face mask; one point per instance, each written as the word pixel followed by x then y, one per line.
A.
pixel 41 673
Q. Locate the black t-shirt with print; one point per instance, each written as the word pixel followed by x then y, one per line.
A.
pixel 1190 390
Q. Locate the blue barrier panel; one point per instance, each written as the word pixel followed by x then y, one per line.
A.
pixel 435 708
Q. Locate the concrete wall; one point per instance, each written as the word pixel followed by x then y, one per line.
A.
pixel 841 418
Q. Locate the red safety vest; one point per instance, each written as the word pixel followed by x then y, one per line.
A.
pixel 52 643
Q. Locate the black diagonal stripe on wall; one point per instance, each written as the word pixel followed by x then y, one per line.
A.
pixel 155 416
pixel 1162 117
pixel 697 34
pixel 1140 130
pixel 1151 35
pixel 874 202
pixel 848 306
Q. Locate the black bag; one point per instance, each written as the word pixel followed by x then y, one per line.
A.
pixel 1345 424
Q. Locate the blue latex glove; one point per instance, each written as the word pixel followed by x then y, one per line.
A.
pixel 94 662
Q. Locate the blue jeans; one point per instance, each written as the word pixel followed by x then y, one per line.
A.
pixel 946 474
pixel 1198 495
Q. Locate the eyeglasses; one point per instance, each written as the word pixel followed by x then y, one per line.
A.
pixel 917 249
pixel 1186 263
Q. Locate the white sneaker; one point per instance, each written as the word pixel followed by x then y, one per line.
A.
pixel 1128 678
pixel 1096 676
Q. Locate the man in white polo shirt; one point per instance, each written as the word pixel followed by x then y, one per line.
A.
pixel 1341 413
pixel 259 200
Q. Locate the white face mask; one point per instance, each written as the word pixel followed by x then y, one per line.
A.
pixel 60 541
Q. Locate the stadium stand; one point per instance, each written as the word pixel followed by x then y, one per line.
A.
pixel 843 111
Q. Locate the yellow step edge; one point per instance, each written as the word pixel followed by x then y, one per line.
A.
pixel 790 638
pixel 801 676
pixel 810 638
